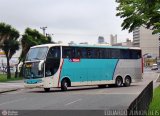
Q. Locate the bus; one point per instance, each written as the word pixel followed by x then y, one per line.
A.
pixel 63 66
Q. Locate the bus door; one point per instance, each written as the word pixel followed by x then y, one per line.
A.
pixel 52 61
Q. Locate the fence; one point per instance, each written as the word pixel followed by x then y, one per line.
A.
pixel 140 105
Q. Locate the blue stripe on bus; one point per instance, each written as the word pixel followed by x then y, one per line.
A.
pixel 115 69
pixel 89 69
pixel 32 81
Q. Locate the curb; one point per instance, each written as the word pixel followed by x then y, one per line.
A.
pixel 158 78
pixel 9 90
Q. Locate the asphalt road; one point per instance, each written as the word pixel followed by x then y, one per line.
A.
pixel 84 99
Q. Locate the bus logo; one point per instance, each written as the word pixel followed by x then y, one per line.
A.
pixel 74 60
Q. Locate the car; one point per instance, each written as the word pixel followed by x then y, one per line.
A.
pixel 154 67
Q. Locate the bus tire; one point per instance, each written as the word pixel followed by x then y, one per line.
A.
pixel 119 81
pixel 127 81
pixel 101 86
pixel 46 89
pixel 64 85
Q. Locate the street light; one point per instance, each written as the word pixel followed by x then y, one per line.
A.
pixel 44 29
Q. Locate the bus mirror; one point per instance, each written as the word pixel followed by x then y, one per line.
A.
pixel 40 65
pixel 19 66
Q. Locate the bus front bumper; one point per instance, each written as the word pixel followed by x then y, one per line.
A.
pixel 37 85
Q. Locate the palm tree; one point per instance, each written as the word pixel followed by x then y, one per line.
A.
pixel 31 37
pixel 4 32
pixel 8 43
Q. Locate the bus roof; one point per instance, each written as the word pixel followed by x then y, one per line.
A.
pixel 93 46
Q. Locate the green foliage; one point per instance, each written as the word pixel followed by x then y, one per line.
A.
pixel 8 42
pixel 10 47
pixel 139 13
pixel 30 38
pixel 3 78
pixel 155 104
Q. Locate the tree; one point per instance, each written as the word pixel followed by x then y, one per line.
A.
pixel 8 43
pixel 30 38
pixel 138 13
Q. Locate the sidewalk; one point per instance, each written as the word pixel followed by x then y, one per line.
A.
pixel 11 86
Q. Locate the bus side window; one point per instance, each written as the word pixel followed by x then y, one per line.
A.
pixel 139 54
pixel 68 52
pixel 135 54
pixel 84 52
pixel 107 53
pixel 88 53
pixel 91 53
pixel 97 53
pixel 124 54
pixel 52 61
pixel 115 53
pixel 78 53
pixel 54 52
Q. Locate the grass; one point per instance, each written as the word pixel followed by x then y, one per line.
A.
pixel 3 78
pixel 154 108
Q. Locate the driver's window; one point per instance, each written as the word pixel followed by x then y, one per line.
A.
pixel 52 61
pixel 54 52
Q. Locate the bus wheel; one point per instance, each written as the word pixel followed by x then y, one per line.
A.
pixel 127 81
pixel 46 89
pixel 64 85
pixel 101 86
pixel 119 81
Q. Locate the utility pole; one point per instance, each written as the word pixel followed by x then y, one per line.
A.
pixel 44 29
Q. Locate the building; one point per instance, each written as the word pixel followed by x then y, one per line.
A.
pixel 71 43
pixel 100 40
pixel 128 43
pixel 113 39
pixel 83 43
pixel 144 39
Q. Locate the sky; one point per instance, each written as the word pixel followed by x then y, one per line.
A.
pixel 66 20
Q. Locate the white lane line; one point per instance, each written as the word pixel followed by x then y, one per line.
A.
pixel 73 102
pixel 9 102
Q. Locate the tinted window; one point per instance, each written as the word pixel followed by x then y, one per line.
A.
pixel 52 61
pixel 54 52
pixel 108 53
pixel 97 53
pixel 91 53
pixel 101 53
pixel 115 53
pixel 84 52
pixel 68 52
pixel 130 54
pixel 78 52
pixel 125 54
pixel 135 54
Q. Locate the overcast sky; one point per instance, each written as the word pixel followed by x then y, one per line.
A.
pixel 67 20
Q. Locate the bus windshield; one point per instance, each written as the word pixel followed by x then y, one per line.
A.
pixel 38 53
pixel 31 70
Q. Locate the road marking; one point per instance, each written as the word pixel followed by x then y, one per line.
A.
pixel 9 102
pixel 73 102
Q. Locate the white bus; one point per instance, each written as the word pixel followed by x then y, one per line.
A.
pixel 53 65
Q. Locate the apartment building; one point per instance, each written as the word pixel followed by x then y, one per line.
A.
pixel 144 39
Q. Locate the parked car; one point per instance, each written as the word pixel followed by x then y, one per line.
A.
pixel 154 67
